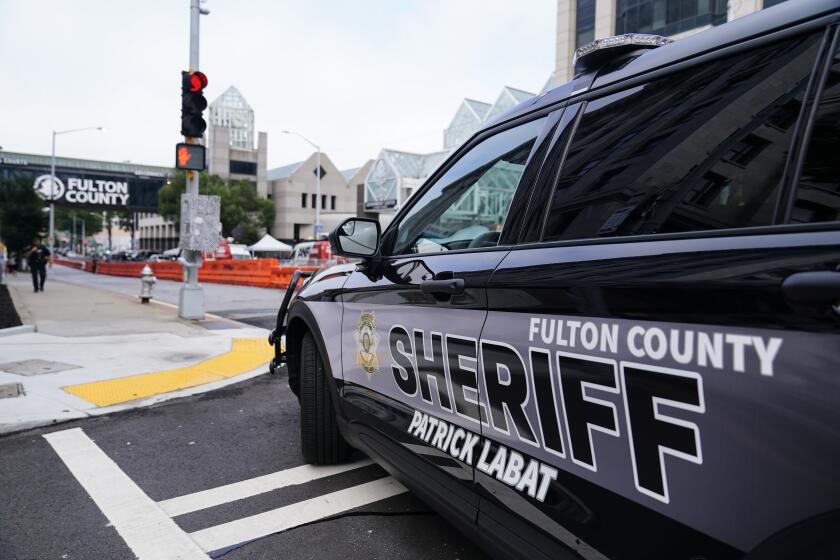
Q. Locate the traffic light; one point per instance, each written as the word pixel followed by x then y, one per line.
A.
pixel 193 104
pixel 190 156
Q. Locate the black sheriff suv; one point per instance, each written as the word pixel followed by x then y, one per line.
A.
pixel 608 325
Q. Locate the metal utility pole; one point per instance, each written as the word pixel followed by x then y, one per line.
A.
pixel 191 296
pixel 318 202
pixel 51 237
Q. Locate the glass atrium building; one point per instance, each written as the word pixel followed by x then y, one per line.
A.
pixel 396 175
pixel 231 111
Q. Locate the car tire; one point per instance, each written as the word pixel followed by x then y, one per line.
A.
pixel 320 440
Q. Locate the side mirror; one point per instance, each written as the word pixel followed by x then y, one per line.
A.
pixel 356 237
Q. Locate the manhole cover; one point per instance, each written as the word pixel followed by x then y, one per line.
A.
pixel 35 367
pixel 10 390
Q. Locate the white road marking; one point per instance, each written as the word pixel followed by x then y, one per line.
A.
pixel 252 487
pixel 293 515
pixel 147 530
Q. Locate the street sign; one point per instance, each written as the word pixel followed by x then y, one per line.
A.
pixel 318 228
pixel 190 156
pixel 381 204
pixel 201 227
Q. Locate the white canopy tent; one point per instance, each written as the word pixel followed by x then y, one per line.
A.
pixel 269 245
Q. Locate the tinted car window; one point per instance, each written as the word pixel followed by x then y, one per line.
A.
pixel 697 150
pixel 467 206
pixel 818 196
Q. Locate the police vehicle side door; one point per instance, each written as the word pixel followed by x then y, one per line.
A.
pixel 412 320
pixel 662 342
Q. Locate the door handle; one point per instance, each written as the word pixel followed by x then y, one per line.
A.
pixel 813 287
pixel 450 286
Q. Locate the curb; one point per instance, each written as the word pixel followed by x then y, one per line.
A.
pixel 11 331
pixel 22 310
pixel 9 429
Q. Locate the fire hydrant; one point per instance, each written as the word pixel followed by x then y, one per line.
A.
pixel 147 280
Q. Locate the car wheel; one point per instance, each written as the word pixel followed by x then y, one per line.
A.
pixel 321 442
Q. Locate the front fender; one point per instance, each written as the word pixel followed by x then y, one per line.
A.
pixel 302 319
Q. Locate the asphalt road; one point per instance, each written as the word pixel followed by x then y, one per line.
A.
pixel 189 445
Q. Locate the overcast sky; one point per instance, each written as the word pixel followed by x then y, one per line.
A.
pixel 353 75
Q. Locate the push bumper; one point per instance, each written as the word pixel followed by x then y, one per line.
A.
pixel 275 337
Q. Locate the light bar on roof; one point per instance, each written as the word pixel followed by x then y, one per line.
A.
pixel 616 44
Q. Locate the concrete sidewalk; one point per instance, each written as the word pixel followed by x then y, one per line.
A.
pixel 248 304
pixel 95 351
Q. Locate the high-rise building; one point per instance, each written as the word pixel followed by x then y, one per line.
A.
pixel 582 21
pixel 231 111
pixel 230 142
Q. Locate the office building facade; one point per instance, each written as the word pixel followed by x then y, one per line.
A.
pixel 294 191
pixel 582 21
pixel 231 151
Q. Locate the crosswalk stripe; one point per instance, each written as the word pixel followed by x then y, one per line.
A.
pixel 146 529
pixel 280 519
pixel 252 487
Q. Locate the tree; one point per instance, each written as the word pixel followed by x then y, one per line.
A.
pixel 21 213
pixel 241 208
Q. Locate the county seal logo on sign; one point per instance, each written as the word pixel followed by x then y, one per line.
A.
pixel 47 189
pixel 366 343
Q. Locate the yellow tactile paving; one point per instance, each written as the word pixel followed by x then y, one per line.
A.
pixel 245 354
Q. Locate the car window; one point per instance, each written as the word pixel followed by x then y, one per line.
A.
pixel 818 195
pixel 700 149
pixel 467 206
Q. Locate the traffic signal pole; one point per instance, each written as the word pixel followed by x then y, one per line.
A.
pixel 191 297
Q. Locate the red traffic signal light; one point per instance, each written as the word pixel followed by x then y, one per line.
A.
pixel 193 104
pixel 198 81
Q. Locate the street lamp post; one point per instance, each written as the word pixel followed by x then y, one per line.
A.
pixel 51 238
pixel 317 226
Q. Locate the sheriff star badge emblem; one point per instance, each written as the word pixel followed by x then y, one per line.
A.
pixel 366 343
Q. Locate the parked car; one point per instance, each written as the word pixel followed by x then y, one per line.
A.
pixel 637 354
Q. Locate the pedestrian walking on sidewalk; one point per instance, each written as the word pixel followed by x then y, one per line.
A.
pixel 37 257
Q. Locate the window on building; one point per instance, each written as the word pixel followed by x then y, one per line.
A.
pixel 467 206
pixel 323 202
pixel 584 22
pixel 314 201
pixel 332 202
pixel 715 161
pixel 746 150
pixel 303 200
pixel 667 17
pixel 818 196
pixel 243 167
